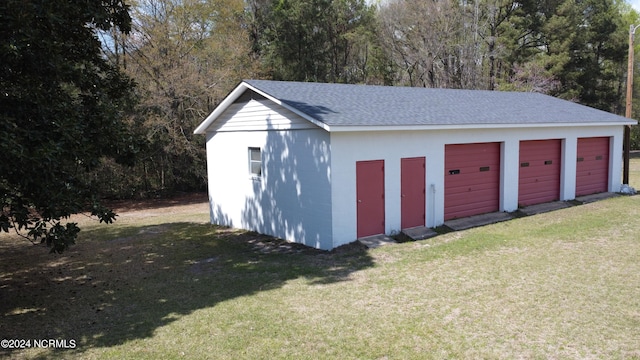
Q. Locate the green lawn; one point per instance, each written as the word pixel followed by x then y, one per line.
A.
pixel 162 283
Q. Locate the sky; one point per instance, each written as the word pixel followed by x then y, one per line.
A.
pixel 635 4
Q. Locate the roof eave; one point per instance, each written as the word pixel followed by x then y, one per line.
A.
pixel 226 102
pixel 353 128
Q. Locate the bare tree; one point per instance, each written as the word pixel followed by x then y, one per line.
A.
pixel 185 56
pixel 433 43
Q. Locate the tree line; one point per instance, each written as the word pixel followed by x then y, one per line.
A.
pixel 100 99
pixel 185 55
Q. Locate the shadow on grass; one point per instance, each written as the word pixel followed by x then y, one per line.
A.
pixel 122 283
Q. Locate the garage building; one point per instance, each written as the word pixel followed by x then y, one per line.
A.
pixel 326 164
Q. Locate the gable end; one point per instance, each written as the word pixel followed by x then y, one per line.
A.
pixel 253 112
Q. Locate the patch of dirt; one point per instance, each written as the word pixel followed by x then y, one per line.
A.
pixel 267 245
pixel 123 206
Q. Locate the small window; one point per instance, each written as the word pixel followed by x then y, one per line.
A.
pixel 255 162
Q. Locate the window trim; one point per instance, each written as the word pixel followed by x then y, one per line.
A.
pixel 252 162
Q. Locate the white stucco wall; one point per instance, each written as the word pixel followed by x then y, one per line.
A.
pixel 291 200
pixel 391 146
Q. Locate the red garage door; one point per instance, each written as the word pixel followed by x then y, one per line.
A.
pixel 539 179
pixel 412 179
pixel 592 168
pixel 370 197
pixel 472 179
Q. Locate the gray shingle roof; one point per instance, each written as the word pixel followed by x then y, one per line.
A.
pixel 366 105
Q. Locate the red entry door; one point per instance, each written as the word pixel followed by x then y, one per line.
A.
pixel 412 187
pixel 370 197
